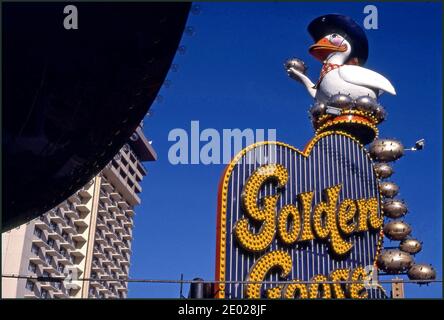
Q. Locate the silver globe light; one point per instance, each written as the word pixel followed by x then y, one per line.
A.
pixel 383 170
pixel 340 101
pixel 388 189
pixel 420 271
pixel 410 245
pixel 386 150
pixel 317 110
pixel 394 208
pixel 366 104
pixel 394 261
pixel 380 113
pixel 397 230
pixel 296 64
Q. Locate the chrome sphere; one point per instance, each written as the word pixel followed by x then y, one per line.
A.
pixel 394 261
pixel 366 103
pixel 420 271
pixel 383 170
pixel 388 189
pixel 341 101
pixel 397 230
pixel 380 113
pixel 296 64
pixel 317 110
pixel 411 246
pixel 386 150
pixel 394 208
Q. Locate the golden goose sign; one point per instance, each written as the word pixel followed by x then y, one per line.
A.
pixel 309 219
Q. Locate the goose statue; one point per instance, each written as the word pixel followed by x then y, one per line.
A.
pixel 344 84
pixel 342 46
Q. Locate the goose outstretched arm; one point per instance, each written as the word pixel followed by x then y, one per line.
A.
pixel 299 76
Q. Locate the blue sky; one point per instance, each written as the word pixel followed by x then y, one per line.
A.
pixel 232 76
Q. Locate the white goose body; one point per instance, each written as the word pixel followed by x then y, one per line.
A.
pixel 354 81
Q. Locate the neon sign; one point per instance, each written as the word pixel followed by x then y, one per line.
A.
pixel 302 218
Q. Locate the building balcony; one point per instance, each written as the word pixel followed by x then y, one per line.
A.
pixel 97 268
pixel 113 282
pixel 104 198
pixel 30 295
pixel 73 285
pixel 111 235
pixel 53 252
pixel 54 235
pixel 55 217
pixel 124 263
pixel 95 284
pixel 67 228
pixel 130 212
pixel 49 268
pixel 125 249
pixel 75 269
pixel 48 286
pixel 85 194
pixel 101 225
pixel 106 262
pixel 107 187
pixel 117 255
pixel 83 208
pixel 59 294
pixel 114 195
pixel 77 254
pixel 118 242
pixel 40 243
pixel 99 254
pixel 74 198
pixel 103 212
pixel 123 204
pixel 79 238
pixel 80 223
pixel 98 239
pixel 128 223
pixel 121 287
pixel 119 231
pixel 112 208
pixel 120 215
pixel 122 275
pixel 37 259
pixel 64 260
pixel 41 225
pixel 106 277
pixel 111 221
pixel 114 268
pixel 109 248
pixel 102 289
pixel 67 212
pixel 127 236
pixel 67 244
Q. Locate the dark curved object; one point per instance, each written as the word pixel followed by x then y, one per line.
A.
pixel 72 98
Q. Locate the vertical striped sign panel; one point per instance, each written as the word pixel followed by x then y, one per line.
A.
pixel 330 159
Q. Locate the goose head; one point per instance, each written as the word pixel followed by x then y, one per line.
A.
pixel 332 48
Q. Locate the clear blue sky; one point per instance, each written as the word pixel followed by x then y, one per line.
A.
pixel 232 76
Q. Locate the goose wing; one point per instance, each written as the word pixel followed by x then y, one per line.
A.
pixel 365 77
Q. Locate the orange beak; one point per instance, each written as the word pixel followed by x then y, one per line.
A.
pixel 323 48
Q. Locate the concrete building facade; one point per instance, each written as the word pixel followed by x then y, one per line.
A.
pixel 88 236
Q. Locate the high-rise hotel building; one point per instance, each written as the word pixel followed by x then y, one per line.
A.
pixel 86 237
